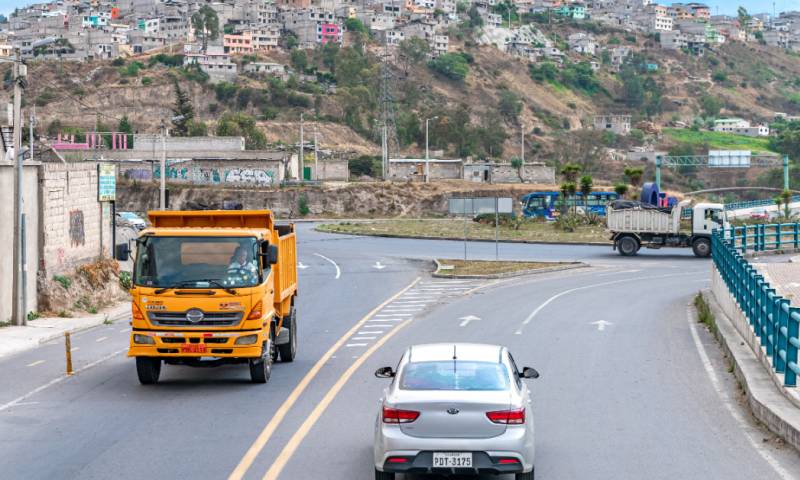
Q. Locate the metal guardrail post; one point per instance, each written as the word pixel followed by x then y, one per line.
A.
pixel 793 330
pixel 783 335
pixel 770 330
pixel 797 235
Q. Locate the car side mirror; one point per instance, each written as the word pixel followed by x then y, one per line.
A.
pixel 385 372
pixel 528 372
pixel 122 252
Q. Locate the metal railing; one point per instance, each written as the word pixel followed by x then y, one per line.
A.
pixel 757 203
pixel 774 321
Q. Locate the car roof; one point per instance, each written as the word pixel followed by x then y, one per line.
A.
pixel 433 352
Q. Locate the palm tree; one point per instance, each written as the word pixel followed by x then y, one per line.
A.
pixel 786 197
pixel 634 174
pixel 621 189
pixel 570 172
pixel 586 188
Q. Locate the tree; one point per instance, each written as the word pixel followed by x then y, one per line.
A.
pixel 568 190
pixel 183 111
pixel 328 53
pixel 587 183
pixel 197 129
pixel 299 60
pixel 510 106
pixel 516 164
pixel 124 126
pixel 242 125
pixel 634 175
pixel 710 105
pixel 355 25
pixel 414 50
pixel 475 19
pixel 570 172
pixel 787 140
pixel 621 189
pixel 451 65
pixel 744 19
pixel 205 23
pixel 786 198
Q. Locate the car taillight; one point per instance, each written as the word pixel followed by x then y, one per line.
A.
pixel 393 415
pixel 508 461
pixel 136 313
pixel 256 313
pixel 508 417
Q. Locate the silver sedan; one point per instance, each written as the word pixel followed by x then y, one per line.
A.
pixel 455 409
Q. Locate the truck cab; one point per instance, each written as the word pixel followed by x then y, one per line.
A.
pixel 707 217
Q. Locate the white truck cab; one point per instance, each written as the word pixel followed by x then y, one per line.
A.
pixel 707 217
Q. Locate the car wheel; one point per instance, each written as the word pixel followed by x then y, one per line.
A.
pixel 261 368
pixel 288 350
pixel 701 247
pixel 524 476
pixel 383 475
pixel 628 246
pixel 148 369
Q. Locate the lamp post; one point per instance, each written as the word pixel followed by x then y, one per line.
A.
pixel 427 151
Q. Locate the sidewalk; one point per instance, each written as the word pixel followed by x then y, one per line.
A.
pixel 783 275
pixel 42 330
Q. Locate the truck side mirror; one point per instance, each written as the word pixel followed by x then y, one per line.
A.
pixel 122 252
pixel 272 254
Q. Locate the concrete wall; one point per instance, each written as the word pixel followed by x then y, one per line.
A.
pixel 404 171
pixel 333 170
pixel 505 173
pixel 257 173
pixel 76 227
pixel 147 143
pixel 31 210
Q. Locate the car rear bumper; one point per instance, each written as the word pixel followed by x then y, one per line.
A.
pixel 516 443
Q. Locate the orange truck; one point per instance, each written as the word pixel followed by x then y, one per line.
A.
pixel 213 287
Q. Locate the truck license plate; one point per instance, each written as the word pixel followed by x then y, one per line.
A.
pixel 452 460
pixel 193 348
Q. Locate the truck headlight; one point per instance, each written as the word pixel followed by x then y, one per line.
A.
pixel 143 339
pixel 246 340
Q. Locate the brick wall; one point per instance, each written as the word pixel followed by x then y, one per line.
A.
pixel 76 228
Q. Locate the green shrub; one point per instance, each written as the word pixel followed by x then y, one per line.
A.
pixel 33 315
pixel 64 281
pixel 146 81
pixel 118 62
pixel 302 205
pixel 125 280
pixel 451 65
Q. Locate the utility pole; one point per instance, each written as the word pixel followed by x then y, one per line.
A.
pixel 163 201
pixel 19 307
pixel 316 155
pixel 427 152
pixel 302 148
pixel 522 143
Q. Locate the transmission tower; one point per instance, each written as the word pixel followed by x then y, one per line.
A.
pixel 388 126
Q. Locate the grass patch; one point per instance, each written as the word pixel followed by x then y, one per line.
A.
pixel 526 230
pixel 7 323
pixel 489 267
pixel 719 140
pixel 704 314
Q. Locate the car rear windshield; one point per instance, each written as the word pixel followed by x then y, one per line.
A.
pixel 454 375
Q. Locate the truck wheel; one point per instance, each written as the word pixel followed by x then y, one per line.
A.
pixel 261 368
pixel 628 246
pixel 701 247
pixel 148 369
pixel 289 350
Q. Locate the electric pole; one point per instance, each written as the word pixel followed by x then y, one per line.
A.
pixel 19 313
pixel 300 162
pixel 522 143
pixel 316 155
pixel 163 201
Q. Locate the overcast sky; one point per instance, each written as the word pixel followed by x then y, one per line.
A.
pixel 722 6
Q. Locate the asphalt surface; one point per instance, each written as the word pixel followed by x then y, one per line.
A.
pixel 628 397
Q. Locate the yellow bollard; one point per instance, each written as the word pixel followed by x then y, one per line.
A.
pixel 69 353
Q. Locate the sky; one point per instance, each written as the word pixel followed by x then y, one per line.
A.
pixel 724 7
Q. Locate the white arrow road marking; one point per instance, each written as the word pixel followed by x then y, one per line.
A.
pixel 601 325
pixel 379 266
pixel 467 319
pixel 301 266
pixel 338 271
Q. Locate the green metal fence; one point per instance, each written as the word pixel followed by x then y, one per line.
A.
pixel 774 321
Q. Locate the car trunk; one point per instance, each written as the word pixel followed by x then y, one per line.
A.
pixel 452 413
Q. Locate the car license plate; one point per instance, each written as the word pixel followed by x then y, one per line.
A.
pixel 452 460
pixel 193 348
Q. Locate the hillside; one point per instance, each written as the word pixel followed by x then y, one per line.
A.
pixel 480 115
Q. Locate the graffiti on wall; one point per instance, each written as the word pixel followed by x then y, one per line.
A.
pixel 206 176
pixel 77 236
pixel 142 174
pixel 250 176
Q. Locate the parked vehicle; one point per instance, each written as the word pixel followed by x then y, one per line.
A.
pixel 455 409
pixel 212 288
pixel 759 214
pixel 547 204
pixel 635 224
pixel 131 219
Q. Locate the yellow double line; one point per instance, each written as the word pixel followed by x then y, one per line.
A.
pixel 280 462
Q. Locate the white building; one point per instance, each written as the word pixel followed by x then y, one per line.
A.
pixel 738 126
pixel 215 63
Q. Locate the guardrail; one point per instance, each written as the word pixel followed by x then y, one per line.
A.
pixel 775 322
pixel 757 203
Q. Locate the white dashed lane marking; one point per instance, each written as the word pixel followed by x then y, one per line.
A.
pixel 101 339
pixel 351 345
pixel 37 362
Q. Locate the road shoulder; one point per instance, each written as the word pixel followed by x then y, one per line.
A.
pixel 766 401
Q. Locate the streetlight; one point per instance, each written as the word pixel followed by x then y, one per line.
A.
pixel 427 152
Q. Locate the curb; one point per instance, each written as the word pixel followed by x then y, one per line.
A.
pixel 419 237
pixel 769 405
pixel 113 317
pixel 534 271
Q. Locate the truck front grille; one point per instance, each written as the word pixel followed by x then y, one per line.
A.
pixel 210 319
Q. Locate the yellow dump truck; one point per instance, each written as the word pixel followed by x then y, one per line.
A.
pixel 214 287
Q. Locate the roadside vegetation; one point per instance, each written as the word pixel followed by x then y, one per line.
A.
pixel 719 140
pixel 490 267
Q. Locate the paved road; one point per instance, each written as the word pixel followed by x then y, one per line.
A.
pixel 634 400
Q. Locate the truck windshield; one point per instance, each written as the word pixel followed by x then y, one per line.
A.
pixel 197 262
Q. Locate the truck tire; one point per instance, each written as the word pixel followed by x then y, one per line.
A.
pixel 701 247
pixel 628 246
pixel 148 369
pixel 261 368
pixel 288 350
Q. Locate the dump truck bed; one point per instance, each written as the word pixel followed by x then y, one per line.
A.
pixel 641 220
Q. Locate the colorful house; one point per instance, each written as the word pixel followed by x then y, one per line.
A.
pixel 575 11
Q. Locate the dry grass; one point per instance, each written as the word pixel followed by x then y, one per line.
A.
pixel 490 267
pixel 454 228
